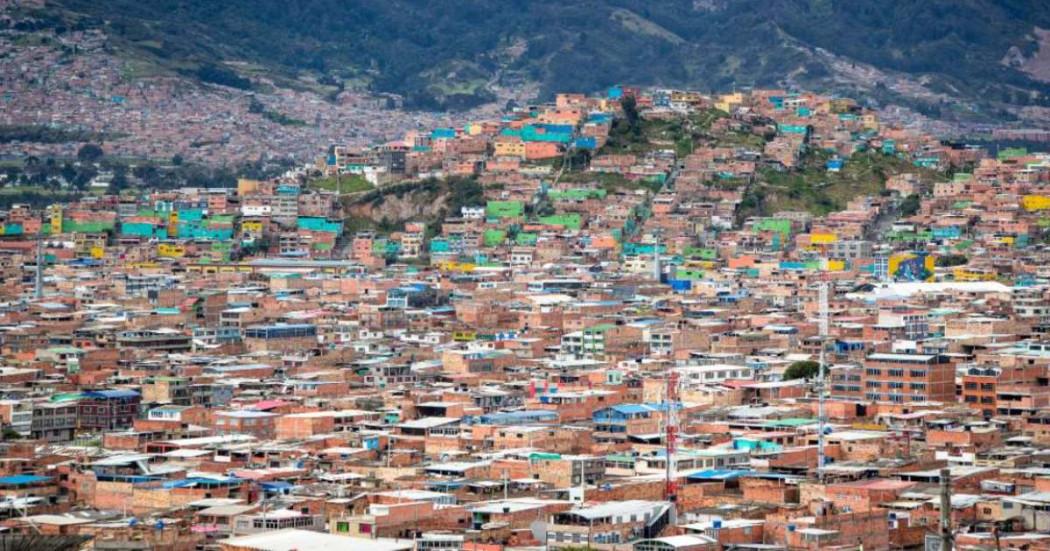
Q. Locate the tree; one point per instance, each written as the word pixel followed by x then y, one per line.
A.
pixel 90 153
pixel 69 172
pixel 256 107
pixel 176 160
pixel 952 260
pixel 84 178
pixel 546 209
pixel 580 159
pixel 802 370
pixel 910 205
pixel 630 113
pixel 120 178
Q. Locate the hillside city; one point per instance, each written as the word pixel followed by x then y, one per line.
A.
pixel 147 115
pixel 642 320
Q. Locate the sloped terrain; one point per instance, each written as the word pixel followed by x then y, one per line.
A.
pixel 457 53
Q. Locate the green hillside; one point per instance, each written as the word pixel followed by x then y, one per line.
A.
pixel 453 53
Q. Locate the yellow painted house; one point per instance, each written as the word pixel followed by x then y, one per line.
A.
pixel 509 147
pixel 171 250
pixel 1032 203
pixel 726 102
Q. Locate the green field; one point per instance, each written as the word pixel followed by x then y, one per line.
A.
pixel 343 184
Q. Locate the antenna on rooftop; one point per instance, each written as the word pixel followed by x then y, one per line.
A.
pixel 38 290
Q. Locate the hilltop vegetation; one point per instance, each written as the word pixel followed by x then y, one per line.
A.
pixel 811 187
pixel 454 53
pixel 42 181
pixel 46 134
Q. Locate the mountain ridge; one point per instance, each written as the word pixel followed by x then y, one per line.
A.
pixel 460 53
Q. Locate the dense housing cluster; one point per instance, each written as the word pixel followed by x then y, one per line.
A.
pixel 596 323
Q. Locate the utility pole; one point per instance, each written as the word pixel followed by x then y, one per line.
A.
pixel 946 510
pixel 38 290
pixel 671 441
pixel 822 377
pixel 656 258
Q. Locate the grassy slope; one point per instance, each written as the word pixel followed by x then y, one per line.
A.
pixel 810 187
pixel 813 189
pixel 581 46
pixel 343 184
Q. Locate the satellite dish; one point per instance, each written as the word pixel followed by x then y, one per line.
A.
pixel 539 530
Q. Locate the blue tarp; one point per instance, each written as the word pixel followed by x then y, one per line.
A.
pixel 443 133
pixel 111 394
pixel 629 409
pixel 276 485
pixel 201 481
pixel 586 142
pixel 717 474
pixel 445 485
pixel 516 417
pixel 22 479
